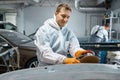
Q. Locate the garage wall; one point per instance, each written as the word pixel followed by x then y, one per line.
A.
pixel 34 17
pixel 30 18
pixel 116 9
pixel 93 19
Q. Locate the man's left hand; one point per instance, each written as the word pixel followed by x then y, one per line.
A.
pixel 81 52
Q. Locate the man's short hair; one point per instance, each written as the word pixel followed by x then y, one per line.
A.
pixel 107 25
pixel 63 5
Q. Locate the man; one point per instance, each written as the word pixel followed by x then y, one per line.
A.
pixel 54 40
pixel 100 33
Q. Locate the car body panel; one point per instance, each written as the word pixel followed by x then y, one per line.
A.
pixel 26 47
pixel 66 72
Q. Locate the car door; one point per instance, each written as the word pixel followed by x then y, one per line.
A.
pixel 9 56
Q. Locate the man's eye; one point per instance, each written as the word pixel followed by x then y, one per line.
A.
pixel 65 16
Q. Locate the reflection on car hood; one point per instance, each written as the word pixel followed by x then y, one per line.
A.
pixel 28 45
pixel 83 71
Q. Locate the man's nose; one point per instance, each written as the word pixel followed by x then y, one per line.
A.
pixel 65 19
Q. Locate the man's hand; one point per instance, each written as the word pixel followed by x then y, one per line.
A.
pixel 71 61
pixel 80 52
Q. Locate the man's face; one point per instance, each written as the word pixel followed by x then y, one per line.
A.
pixel 107 28
pixel 62 17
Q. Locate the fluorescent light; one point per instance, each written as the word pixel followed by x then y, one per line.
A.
pixel 37 1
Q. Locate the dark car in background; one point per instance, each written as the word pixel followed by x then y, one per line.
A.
pixel 7 25
pixel 24 44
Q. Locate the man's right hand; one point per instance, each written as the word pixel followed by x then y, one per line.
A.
pixel 80 52
pixel 71 61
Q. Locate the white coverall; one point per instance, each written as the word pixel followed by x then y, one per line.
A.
pixel 102 33
pixel 53 43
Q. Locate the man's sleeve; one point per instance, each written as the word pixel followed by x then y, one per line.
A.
pixel 46 53
pixel 74 44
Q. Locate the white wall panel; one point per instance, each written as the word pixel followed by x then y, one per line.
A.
pixel 35 16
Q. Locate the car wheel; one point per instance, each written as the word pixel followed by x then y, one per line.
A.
pixel 32 63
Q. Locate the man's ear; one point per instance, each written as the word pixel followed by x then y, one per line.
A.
pixel 56 13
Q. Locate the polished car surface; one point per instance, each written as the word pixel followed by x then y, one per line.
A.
pixel 66 72
pixel 24 44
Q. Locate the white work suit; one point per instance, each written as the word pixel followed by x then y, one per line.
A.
pixel 53 43
pixel 102 34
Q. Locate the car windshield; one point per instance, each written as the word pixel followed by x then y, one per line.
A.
pixel 8 26
pixel 15 37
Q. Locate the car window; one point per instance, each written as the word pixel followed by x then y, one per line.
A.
pixel 2 26
pixel 9 27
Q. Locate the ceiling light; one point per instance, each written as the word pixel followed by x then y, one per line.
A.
pixel 37 1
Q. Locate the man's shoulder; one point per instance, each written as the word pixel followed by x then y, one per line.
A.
pixel 44 27
pixel 68 30
pixel 96 26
